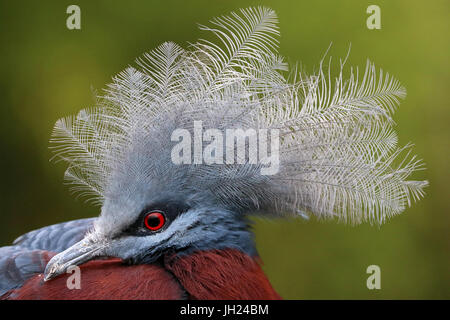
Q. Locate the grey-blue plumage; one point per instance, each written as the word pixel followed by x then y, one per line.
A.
pixel 27 255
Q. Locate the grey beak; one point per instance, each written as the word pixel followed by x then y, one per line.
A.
pixel 77 254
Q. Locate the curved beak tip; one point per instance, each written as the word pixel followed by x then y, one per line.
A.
pixel 75 255
pixel 47 277
pixel 52 270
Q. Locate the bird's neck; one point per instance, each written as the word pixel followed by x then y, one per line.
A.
pixel 220 274
pixel 222 230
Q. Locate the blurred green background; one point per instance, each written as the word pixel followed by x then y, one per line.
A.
pixel 48 71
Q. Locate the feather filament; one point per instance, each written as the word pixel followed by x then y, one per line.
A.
pixel 338 148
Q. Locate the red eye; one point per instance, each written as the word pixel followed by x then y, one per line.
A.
pixel 154 220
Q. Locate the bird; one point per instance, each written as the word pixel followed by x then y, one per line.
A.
pixel 177 195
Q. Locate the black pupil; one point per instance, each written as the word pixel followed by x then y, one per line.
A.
pixel 153 220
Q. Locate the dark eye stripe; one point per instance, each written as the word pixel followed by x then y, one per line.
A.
pixel 171 210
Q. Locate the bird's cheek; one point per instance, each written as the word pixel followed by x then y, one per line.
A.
pixel 128 249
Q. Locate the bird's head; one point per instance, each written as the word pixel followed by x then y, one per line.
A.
pixel 166 186
pixel 152 205
pixel 182 209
